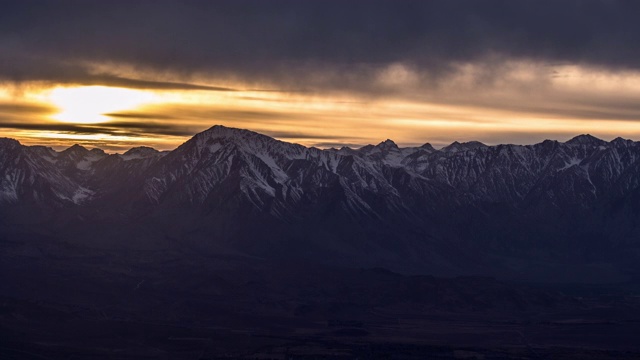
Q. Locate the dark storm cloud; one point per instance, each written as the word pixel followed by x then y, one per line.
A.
pixel 130 129
pixel 290 42
pixel 135 129
pixel 147 128
pixel 73 128
pixel 210 112
pixel 55 68
pixel 147 84
pixel 140 115
pixel 24 109
pixel 254 115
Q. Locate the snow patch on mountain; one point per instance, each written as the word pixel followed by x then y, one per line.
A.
pixel 571 163
pixel 81 195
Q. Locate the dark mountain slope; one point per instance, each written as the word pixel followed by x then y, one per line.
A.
pixel 467 208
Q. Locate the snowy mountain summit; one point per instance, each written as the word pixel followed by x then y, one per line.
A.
pixel 502 198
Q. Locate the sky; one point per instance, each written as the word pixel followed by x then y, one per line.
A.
pixel 327 73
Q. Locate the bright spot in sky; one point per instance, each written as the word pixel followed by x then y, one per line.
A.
pixel 90 104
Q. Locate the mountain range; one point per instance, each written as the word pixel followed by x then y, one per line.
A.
pixel 548 212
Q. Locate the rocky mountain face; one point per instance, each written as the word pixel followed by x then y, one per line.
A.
pixel 525 211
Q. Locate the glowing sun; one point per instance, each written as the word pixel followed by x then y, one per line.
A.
pixel 90 104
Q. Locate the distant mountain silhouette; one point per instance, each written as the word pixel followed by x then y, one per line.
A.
pixel 550 211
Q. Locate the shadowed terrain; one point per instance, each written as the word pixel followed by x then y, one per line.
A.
pixel 239 245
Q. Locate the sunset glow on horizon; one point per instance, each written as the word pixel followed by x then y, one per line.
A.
pixel 134 84
pixel 119 118
pixel 91 104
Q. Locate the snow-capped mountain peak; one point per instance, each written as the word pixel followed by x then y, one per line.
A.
pixel 427 147
pixel 8 143
pixel 457 146
pixel 387 145
pixel 620 142
pixel 220 131
pixel 75 150
pixel 586 140
pixel 140 152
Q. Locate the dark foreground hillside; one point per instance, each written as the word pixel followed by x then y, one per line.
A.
pixel 60 301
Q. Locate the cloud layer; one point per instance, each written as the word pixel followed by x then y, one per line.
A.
pixel 478 63
pixel 265 40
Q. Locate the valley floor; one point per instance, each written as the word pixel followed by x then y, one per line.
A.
pixel 59 301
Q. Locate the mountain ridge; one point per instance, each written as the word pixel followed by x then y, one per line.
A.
pixel 465 208
pixel 221 130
